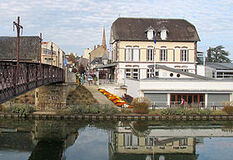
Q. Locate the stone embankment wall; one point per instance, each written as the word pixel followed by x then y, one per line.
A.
pixel 121 117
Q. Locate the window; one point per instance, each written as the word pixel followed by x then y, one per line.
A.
pixel 132 73
pixel 163 54
pixel 163 34
pixel 184 54
pixel 136 54
pixel 128 73
pixel 127 139
pixel 150 55
pixel 150 34
pixel 183 142
pixel 130 140
pixel 128 54
pixel 150 72
pixel 135 74
pixel 150 141
pixel 114 54
pixel 185 70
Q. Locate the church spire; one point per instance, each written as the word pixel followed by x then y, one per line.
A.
pixel 103 40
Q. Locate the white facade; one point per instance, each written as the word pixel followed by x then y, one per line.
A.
pixel 213 90
pixel 143 70
pixel 87 53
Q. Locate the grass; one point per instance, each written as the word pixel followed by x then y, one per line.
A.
pixel 82 96
pixel 186 111
pixel 89 109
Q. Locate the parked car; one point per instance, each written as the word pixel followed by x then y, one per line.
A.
pixel 90 78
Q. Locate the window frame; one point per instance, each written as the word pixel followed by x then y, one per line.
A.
pixel 184 54
pixel 128 53
pixel 163 54
pixel 133 54
pixel 150 53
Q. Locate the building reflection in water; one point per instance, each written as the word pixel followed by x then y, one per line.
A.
pixel 128 143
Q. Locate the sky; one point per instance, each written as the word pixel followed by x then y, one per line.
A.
pixel 78 24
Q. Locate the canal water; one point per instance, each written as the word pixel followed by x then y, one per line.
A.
pixel 135 140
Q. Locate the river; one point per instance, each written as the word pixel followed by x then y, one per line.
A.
pixel 115 140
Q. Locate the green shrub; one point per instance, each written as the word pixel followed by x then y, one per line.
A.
pixel 21 109
pixel 185 111
pixel 141 105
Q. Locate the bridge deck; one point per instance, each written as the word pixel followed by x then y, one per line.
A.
pixel 15 81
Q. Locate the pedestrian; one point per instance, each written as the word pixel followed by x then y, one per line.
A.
pixel 182 101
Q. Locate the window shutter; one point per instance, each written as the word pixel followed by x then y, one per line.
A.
pixel 187 55
pixel 125 54
pixel 181 55
pixel 147 52
pixel 139 52
pixel 160 56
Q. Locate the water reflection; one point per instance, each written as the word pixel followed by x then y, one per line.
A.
pixel 134 142
pixel 66 140
pixel 142 140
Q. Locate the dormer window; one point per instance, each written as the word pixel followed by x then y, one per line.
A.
pixel 150 33
pixel 163 33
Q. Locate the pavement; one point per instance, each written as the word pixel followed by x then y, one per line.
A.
pixel 102 99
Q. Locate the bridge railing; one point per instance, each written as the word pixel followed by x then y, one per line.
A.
pixel 29 76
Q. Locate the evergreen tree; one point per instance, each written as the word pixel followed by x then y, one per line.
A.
pixel 217 54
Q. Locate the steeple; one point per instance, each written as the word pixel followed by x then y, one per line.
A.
pixel 103 40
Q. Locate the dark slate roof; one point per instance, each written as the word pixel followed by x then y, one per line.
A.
pixel 97 60
pixel 29 48
pixel 135 29
pixel 105 57
pixel 220 66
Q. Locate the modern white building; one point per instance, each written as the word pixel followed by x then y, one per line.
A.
pixel 168 92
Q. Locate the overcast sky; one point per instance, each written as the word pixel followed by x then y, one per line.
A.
pixel 77 24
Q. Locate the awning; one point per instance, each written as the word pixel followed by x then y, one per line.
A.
pixel 106 66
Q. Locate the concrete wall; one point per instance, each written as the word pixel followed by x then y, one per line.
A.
pixel 204 71
pixel 167 74
pixel 133 88
pixel 185 85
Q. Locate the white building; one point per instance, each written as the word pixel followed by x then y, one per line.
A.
pixel 133 48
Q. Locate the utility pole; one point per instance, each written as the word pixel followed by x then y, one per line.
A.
pixel 40 54
pixel 18 27
pixel 51 53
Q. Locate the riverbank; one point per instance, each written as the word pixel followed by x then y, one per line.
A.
pixel 52 116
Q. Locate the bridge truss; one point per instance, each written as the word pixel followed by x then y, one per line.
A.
pixel 29 75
